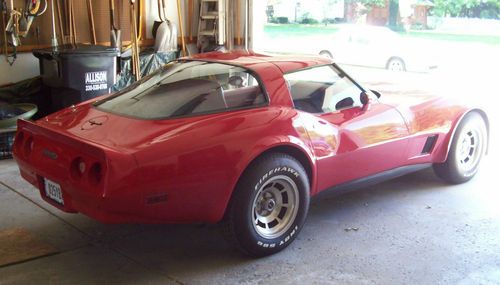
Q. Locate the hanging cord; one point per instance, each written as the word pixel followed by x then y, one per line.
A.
pixel 32 10
pixel 10 58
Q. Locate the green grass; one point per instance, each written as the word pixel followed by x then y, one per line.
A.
pixel 486 39
pixel 297 30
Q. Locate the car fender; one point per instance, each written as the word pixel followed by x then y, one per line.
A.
pixel 280 144
pixel 442 154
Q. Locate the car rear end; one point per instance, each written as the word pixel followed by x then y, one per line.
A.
pixel 71 174
pixel 162 151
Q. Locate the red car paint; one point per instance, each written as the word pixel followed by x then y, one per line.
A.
pixel 185 170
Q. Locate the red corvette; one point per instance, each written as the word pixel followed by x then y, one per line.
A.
pixel 241 138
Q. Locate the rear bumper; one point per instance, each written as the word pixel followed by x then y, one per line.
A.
pixel 109 210
pixel 122 206
pixel 74 199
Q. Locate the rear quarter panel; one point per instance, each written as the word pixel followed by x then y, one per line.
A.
pixel 199 166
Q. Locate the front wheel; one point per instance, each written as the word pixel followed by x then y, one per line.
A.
pixel 467 149
pixel 269 206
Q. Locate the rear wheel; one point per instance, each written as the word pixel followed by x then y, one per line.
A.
pixel 269 205
pixel 467 149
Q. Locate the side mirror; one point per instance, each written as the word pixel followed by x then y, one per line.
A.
pixel 376 93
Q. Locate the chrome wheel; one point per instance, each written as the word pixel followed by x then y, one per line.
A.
pixel 469 149
pixel 275 207
pixel 396 65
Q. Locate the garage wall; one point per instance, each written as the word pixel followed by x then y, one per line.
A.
pixel 26 66
pixel 152 15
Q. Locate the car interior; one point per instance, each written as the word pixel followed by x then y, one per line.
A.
pixel 319 97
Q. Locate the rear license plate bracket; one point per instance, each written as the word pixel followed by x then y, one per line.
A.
pixel 53 191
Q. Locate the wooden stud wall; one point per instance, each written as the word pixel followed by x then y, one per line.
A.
pixel 101 19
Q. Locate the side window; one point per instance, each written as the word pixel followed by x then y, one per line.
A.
pixel 241 89
pixel 322 89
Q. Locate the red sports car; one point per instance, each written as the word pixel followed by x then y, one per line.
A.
pixel 241 138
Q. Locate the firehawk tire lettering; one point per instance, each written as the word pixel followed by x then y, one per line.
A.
pixel 265 176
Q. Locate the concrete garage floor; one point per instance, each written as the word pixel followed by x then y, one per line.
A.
pixel 411 230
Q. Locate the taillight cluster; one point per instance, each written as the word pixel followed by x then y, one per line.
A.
pixel 81 169
pixel 77 168
pixel 92 171
pixel 24 143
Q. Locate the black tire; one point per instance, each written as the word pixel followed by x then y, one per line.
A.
pixel 259 200
pixel 467 148
pixel 326 53
pixel 396 64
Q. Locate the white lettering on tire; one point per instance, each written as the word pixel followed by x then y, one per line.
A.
pixel 272 171
pixel 281 242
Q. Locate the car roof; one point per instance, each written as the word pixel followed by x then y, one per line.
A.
pixel 259 61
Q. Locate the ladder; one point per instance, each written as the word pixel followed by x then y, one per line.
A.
pixel 211 25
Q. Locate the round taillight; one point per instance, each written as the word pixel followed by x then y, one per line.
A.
pixel 81 167
pixel 77 168
pixel 95 173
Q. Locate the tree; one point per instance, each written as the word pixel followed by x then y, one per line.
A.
pixel 368 3
pixel 467 8
pixel 393 13
pixel 393 8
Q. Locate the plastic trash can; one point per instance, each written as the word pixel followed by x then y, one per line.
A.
pixel 77 73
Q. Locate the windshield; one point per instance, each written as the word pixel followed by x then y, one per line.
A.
pixel 189 88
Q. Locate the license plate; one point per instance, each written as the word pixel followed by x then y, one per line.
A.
pixel 53 191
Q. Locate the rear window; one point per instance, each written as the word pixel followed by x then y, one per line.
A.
pixel 188 89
